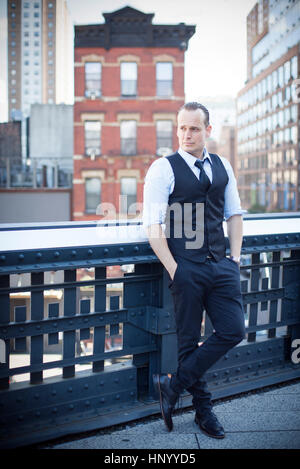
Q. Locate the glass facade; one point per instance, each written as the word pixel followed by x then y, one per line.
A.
pixel 283 33
pixel 267 140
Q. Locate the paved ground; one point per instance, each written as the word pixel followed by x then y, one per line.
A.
pixel 266 420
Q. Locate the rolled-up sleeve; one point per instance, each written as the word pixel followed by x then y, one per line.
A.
pixel 232 202
pixel 157 185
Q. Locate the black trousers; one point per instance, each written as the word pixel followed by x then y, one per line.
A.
pixel 214 287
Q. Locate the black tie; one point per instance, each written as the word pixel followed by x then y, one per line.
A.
pixel 203 178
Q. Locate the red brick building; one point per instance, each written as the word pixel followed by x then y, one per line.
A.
pixel 129 84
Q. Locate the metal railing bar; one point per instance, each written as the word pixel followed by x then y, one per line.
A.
pixel 64 323
pixel 82 283
pixel 79 360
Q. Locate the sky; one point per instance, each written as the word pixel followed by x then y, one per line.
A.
pixel 216 59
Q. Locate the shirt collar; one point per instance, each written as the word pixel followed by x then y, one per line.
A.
pixel 190 159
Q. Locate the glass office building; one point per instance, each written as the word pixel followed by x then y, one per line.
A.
pixel 268 109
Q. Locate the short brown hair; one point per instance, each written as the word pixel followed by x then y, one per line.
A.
pixel 193 106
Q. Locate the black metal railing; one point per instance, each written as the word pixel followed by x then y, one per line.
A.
pixel 78 346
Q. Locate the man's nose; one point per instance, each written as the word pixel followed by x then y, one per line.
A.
pixel 187 134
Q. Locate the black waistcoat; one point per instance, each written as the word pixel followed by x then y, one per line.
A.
pixel 193 207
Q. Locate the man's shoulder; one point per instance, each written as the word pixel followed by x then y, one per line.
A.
pixel 161 168
pixel 163 161
pixel 224 160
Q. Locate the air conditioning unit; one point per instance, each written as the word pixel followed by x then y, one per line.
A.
pixel 91 152
pixel 164 151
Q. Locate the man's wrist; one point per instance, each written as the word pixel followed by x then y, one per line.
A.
pixel 236 259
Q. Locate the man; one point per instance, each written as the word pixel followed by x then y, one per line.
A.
pixel 201 276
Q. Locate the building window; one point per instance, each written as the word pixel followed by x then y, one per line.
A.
pixel 128 137
pixel 294 67
pixel 128 193
pixel 128 78
pixel 92 138
pixel 164 79
pixel 164 137
pixel 92 194
pixel 92 79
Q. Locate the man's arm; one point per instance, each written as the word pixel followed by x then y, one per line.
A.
pixel 159 244
pixel 235 234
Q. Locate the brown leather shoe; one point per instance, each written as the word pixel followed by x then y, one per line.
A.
pixel 167 398
pixel 210 425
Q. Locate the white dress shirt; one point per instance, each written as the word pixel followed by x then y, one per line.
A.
pixel 160 182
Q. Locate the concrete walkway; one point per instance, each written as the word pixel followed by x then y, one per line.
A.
pixel 266 420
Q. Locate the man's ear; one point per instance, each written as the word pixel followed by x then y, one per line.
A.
pixel 208 131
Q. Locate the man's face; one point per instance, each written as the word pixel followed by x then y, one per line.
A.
pixel 192 131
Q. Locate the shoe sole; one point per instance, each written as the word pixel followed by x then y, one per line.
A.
pixel 209 434
pixel 161 406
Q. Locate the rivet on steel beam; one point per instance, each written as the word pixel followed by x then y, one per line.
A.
pixel 54 410
pixel 226 357
pixel 21 257
pixel 132 393
pixel 136 248
pixel 38 414
pixel 237 354
pixel 56 254
pixel 121 249
pixel 116 380
pixel 238 370
pixel 215 375
pixel 86 386
pixel 71 406
pixel 117 397
pixel 20 417
pixel 2 258
pixel 53 392
pixel 36 396
pixel 102 400
pixel 105 250
pixel 38 255
pixel 70 389
pixel 90 252
pixel 74 253
pixel 87 403
pixel 101 383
